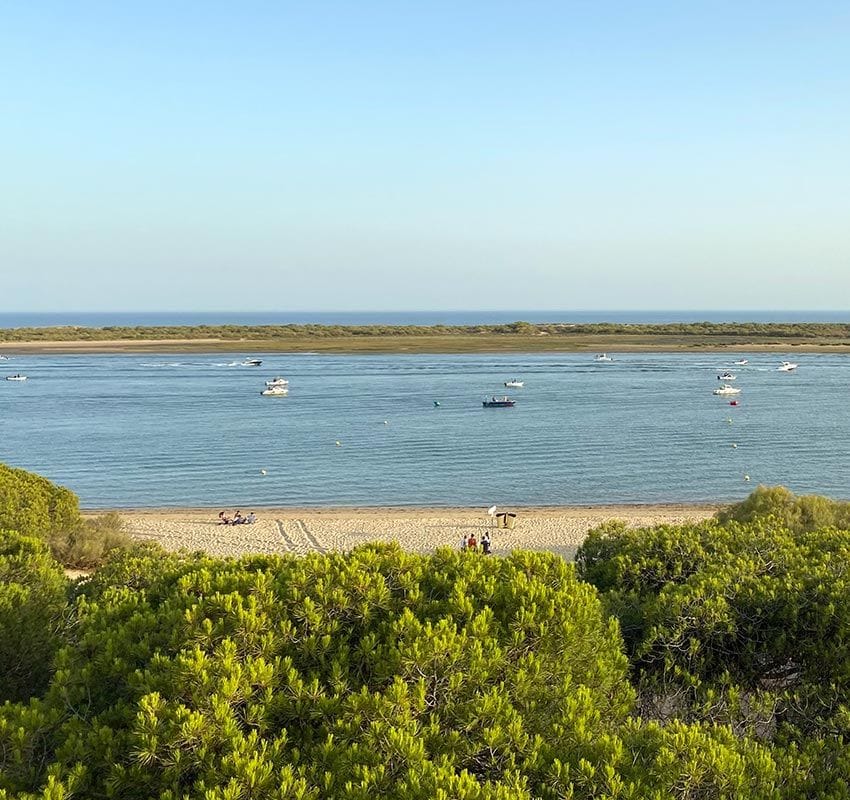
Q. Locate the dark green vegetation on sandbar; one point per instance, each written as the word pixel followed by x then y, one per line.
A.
pixel 515 337
pixel 709 660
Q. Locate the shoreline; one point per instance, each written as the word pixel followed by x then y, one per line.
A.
pixel 567 510
pixel 426 345
pixel 299 531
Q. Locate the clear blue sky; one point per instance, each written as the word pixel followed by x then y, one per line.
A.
pixel 366 155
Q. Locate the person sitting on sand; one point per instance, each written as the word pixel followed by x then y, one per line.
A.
pixel 238 518
pixel 250 519
pixel 223 519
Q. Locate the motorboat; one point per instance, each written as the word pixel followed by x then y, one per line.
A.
pixel 17 377
pixel 786 366
pixel 499 402
pixel 726 389
pixel 275 391
pixel 726 376
pixel 4 358
pixel 514 384
pixel 741 362
pixel 603 357
pixel 252 362
pixel 277 382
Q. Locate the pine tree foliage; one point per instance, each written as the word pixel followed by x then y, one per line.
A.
pixel 33 592
pixel 371 674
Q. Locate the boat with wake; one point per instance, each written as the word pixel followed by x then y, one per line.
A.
pixel 603 357
pixel 726 376
pixel 514 384
pixel 275 391
pixel 499 402
pixel 726 389
pixel 252 362
pixel 278 381
pixel 786 366
pixel 741 362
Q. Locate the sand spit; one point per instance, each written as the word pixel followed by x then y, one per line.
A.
pixel 300 531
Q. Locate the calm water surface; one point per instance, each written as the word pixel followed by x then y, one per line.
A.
pixel 147 430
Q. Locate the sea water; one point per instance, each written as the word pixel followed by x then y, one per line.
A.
pixel 193 430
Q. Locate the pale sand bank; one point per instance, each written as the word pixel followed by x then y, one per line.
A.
pixel 300 531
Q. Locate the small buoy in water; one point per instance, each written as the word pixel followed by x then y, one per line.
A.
pixel 729 420
pixel 262 472
pixel 386 422
pixel 734 446
pixel 339 444
pixel 733 402
pixel 746 477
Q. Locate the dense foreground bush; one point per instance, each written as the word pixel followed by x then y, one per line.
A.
pixel 744 624
pixel 33 506
pixel 797 513
pixel 374 674
pixel 696 661
pixel 33 593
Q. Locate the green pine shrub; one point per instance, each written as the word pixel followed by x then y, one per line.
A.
pixel 33 597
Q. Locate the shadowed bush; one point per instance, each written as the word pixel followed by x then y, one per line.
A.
pixel 33 591
pixel 90 544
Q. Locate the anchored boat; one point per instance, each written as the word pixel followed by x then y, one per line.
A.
pixel 499 402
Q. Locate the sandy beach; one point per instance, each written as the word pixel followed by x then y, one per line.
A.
pixel 300 531
pixel 354 345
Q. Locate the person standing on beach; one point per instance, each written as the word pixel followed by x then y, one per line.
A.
pixel 485 544
pixel 472 543
pixel 463 544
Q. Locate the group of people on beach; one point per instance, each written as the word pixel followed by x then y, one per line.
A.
pixel 471 543
pixel 236 519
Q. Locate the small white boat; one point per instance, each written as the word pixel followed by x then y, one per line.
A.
pixel 603 357
pixel 18 377
pixel 275 391
pixel 741 362
pixel 4 358
pixel 726 389
pixel 786 366
pixel 251 362
pixel 277 382
pixel 726 376
pixel 515 384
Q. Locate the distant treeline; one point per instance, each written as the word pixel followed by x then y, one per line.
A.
pixel 752 330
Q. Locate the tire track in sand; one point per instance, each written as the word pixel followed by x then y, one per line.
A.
pixel 290 546
pixel 312 542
